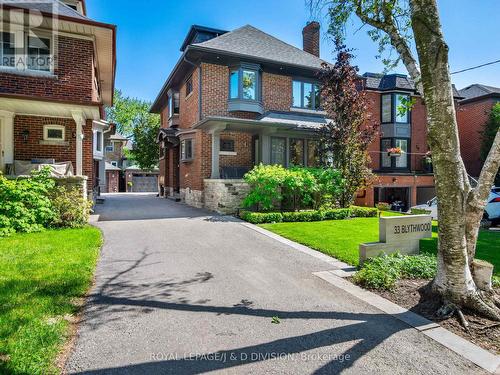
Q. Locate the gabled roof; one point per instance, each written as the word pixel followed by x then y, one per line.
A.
pixel 252 42
pixel 47 6
pixel 477 90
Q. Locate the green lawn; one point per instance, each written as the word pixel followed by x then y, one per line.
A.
pixel 341 238
pixel 41 274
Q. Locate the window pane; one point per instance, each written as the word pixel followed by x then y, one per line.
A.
pixel 176 103
pixel 233 87
pixel 98 141
pixel 249 84
pixel 55 133
pixel 402 161
pixel 39 53
pixel 296 93
pixel 386 159
pixel 297 152
pixel 278 149
pixel 312 154
pixel 317 95
pixel 401 111
pixel 386 108
pixel 308 95
pixel 170 106
pixel 8 50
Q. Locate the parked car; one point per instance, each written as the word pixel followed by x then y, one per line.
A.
pixel 491 212
pixel 430 206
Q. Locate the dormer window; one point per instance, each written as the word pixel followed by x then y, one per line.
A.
pixel 244 88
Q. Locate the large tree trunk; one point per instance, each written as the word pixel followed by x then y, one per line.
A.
pixel 459 210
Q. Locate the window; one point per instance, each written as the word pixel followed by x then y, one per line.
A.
pixel 109 148
pixel 189 85
pixel 98 141
pixel 234 83
pixel 296 152
pixel 244 83
pixel 39 53
pixel 278 151
pixel 187 149
pixel 227 145
pixel 393 108
pixel 386 108
pixel 313 154
pixel 8 51
pixel 173 104
pixel 306 95
pixel 53 133
pixel 394 162
pixel 402 113
pixel 114 163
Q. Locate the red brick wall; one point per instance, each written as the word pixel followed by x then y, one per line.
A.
pixel 73 81
pixel 32 149
pixel 418 132
pixel 112 181
pixel 242 147
pixel 471 119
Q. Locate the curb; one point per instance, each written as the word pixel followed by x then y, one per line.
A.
pixel 477 355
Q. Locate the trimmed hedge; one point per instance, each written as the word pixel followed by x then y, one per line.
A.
pixel 307 216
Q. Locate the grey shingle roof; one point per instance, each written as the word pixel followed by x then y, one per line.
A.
pixel 252 42
pixel 47 6
pixel 383 82
pixel 476 90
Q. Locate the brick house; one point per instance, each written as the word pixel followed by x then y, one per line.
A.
pixel 239 98
pixel 56 75
pixel 473 113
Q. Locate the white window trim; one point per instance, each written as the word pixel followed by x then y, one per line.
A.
pixel 46 129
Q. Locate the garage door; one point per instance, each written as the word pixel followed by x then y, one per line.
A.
pixel 425 194
pixel 144 183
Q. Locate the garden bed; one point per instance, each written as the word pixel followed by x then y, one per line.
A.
pixel 43 277
pixel 412 295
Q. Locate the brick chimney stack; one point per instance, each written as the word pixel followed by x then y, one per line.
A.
pixel 310 37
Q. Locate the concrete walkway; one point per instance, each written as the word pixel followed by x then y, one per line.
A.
pixel 181 291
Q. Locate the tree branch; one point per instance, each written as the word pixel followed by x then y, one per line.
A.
pixel 487 176
pixel 388 25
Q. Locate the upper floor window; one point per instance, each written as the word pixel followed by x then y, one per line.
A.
pixel 98 141
pixel 395 161
pixel 244 83
pixel 394 108
pixel 34 53
pixel 110 147
pixel 54 133
pixel 306 95
pixel 189 85
pixel 8 50
pixel 173 104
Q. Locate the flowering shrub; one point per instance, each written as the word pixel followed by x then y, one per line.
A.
pixel 71 208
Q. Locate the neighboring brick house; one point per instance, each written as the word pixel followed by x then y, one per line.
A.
pixel 473 113
pixel 55 78
pixel 239 98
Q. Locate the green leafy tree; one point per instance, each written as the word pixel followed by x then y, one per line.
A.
pixel 134 121
pixel 488 135
pixel 402 27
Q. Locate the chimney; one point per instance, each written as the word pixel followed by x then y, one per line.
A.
pixel 310 37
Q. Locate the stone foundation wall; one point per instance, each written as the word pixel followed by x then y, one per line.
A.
pixel 224 196
pixel 192 197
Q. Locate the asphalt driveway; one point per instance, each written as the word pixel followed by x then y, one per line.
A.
pixel 181 291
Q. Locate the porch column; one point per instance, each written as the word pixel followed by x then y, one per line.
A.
pixel 215 154
pixel 79 118
pixel 215 132
pixel 6 138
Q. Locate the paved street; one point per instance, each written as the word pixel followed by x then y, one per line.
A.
pixel 181 291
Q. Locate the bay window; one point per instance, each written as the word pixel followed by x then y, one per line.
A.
pixel 245 88
pixel 395 162
pixel 394 108
pixel 305 95
pixel 173 104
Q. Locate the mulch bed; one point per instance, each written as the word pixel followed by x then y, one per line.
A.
pixel 413 295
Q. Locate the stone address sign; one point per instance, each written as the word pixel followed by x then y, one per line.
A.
pixel 398 234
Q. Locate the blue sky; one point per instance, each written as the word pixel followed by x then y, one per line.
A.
pixel 150 33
